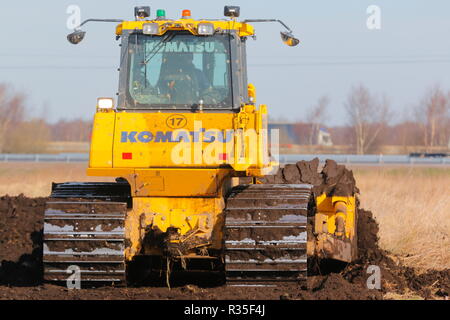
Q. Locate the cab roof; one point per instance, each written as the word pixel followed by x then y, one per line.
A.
pixel 191 25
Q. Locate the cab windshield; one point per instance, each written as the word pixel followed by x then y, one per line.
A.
pixel 179 71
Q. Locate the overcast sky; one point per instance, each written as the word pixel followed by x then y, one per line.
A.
pixel 409 54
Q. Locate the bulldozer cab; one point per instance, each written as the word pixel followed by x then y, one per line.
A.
pixel 185 64
pixel 183 100
pixel 183 71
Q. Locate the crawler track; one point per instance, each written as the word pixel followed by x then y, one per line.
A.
pixel 83 229
pixel 265 234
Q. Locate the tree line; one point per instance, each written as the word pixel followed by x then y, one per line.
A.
pixel 20 132
pixel 371 123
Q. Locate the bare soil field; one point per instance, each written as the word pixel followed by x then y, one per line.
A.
pixel 411 206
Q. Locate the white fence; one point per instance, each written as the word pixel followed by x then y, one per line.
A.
pixel 283 159
pixel 63 157
pixel 367 159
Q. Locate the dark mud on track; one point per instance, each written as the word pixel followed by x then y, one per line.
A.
pixel 21 224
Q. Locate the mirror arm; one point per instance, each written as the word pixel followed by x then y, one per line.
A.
pixel 269 20
pixel 98 20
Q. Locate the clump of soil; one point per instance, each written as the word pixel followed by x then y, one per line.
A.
pixel 334 179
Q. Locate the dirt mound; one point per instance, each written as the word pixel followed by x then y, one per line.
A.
pixel 21 225
pixel 368 249
pixel 335 287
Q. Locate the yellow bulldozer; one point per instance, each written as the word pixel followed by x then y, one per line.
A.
pixel 184 135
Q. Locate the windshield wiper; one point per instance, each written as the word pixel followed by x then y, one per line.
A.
pixel 158 47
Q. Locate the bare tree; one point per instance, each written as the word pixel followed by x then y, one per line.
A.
pixel 71 130
pixel 317 116
pixel 367 116
pixel 11 112
pixel 18 141
pixel 432 116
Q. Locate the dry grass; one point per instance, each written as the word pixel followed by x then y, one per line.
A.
pixel 412 205
pixel 35 179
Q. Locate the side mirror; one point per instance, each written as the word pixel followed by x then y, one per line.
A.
pixel 289 39
pixel 76 37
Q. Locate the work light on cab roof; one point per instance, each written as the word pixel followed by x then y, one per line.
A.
pixel 142 12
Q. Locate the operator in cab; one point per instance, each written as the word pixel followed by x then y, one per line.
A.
pixel 180 79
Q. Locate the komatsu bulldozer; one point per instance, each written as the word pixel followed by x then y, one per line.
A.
pixel 183 136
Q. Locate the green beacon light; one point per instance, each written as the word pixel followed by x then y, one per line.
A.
pixel 161 14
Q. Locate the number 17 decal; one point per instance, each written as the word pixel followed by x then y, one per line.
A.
pixel 176 121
